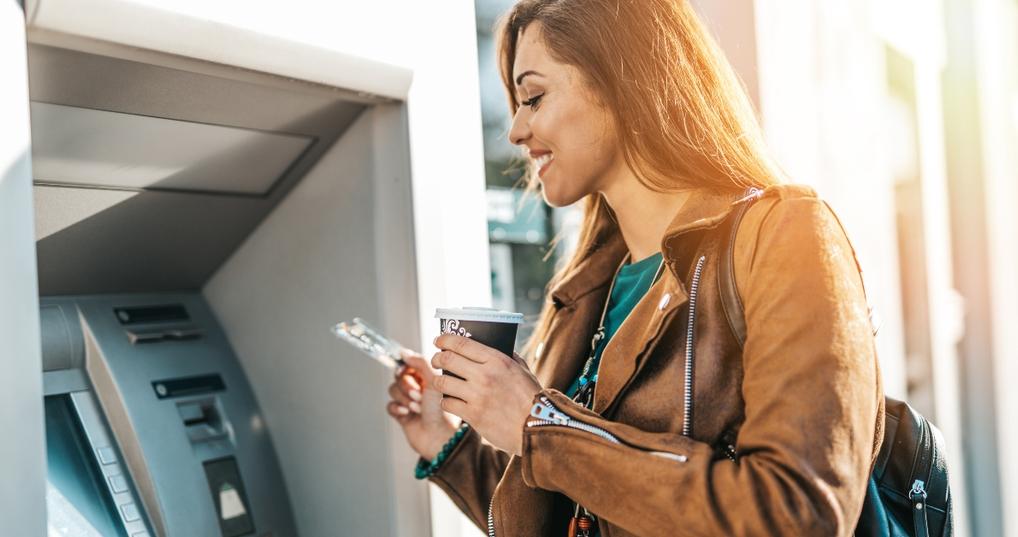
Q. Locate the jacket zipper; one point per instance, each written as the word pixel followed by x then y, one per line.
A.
pixel 491 516
pixel 687 418
pixel 545 413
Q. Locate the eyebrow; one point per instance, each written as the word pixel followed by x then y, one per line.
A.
pixel 519 79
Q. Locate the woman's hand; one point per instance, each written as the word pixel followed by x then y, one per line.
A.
pixel 496 394
pixel 418 409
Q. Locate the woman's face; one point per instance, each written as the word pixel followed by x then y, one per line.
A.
pixel 568 134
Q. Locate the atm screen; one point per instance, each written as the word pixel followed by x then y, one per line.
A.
pixel 78 503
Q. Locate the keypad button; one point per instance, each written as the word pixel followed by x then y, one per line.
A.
pixel 118 483
pixel 106 455
pixel 130 512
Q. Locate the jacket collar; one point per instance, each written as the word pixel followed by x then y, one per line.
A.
pixel 705 209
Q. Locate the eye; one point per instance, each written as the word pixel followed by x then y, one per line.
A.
pixel 533 102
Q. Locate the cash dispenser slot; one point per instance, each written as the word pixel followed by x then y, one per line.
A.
pixel 203 420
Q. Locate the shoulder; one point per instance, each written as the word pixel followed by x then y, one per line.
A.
pixel 788 196
pixel 792 222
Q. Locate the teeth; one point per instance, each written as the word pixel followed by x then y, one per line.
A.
pixel 544 159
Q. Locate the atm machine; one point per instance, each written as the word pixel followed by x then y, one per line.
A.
pixel 146 404
pixel 205 207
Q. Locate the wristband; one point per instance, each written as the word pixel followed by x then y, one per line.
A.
pixel 426 469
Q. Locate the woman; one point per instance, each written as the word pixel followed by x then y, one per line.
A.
pixel 644 414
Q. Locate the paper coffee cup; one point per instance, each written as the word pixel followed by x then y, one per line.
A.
pixel 488 326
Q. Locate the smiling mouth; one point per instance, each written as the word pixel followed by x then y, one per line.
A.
pixel 543 163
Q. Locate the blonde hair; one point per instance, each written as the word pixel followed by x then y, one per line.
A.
pixel 682 117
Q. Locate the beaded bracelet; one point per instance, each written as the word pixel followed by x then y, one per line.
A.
pixel 426 469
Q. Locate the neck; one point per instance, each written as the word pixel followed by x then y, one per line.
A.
pixel 643 214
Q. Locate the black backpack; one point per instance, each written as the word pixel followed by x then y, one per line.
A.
pixel 908 492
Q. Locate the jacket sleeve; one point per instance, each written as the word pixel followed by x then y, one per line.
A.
pixel 470 474
pixel 811 390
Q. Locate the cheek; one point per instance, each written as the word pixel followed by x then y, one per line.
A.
pixel 584 150
pixel 575 134
pixel 587 152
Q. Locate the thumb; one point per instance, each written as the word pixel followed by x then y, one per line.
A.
pixel 419 363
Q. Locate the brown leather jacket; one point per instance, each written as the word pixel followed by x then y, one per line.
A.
pixel 780 436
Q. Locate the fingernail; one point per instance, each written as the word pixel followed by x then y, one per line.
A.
pixel 415 395
pixel 402 410
pixel 416 407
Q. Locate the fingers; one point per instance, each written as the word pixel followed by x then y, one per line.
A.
pixel 456 364
pixel 409 381
pixel 468 348
pixel 401 413
pixel 420 365
pixel 452 387
pixel 397 394
pixel 408 399
pixel 455 406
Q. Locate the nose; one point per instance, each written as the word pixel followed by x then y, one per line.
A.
pixel 519 131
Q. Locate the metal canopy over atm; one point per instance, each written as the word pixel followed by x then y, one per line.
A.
pixel 202 213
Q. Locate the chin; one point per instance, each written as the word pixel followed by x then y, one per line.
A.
pixel 558 199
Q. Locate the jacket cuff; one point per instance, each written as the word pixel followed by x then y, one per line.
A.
pixel 454 460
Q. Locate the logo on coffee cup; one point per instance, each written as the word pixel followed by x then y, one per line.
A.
pixel 452 326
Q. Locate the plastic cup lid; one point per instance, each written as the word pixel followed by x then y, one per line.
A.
pixel 490 315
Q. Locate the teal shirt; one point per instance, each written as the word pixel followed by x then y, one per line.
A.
pixel 632 282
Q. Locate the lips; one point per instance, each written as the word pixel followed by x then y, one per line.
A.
pixel 543 163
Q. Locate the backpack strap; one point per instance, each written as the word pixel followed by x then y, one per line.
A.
pixel 731 302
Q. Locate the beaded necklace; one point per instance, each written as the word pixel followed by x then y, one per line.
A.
pixel 583 521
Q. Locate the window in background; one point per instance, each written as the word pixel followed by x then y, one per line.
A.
pixel 904 161
pixel 520 226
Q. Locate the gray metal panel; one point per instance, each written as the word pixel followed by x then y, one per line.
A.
pixel 62 344
pixel 23 452
pixel 163 462
pixel 64 381
pixel 151 241
pixel 398 291
pixel 113 241
pixel 315 261
pixel 213 94
pixel 82 146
